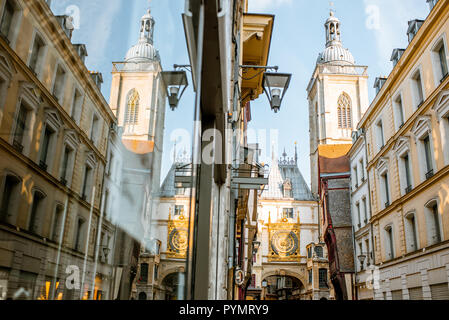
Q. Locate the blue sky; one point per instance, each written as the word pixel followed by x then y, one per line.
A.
pixel 371 29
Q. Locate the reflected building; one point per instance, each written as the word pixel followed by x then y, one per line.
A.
pixel 54 125
pixel 138 101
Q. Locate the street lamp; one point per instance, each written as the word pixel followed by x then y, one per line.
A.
pixel 176 83
pixel 275 86
pixel 256 245
pixel 361 258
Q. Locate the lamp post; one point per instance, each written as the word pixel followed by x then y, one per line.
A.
pixel 361 258
pixel 176 83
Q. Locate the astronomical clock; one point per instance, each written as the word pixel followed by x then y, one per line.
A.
pixel 177 237
pixel 284 241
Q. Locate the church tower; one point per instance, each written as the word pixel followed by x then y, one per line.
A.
pixel 337 95
pixel 137 92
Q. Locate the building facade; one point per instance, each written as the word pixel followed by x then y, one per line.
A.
pixel 290 264
pixel 406 133
pixel 338 98
pixel 55 126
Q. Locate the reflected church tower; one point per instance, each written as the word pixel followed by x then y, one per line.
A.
pixel 337 95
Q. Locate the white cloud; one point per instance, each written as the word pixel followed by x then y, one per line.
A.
pixel 392 20
pixel 261 5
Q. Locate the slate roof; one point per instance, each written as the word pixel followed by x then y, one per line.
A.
pixel 280 172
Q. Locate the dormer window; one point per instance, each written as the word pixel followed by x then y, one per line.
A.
pixel 98 78
pixel 413 28
pixel 379 83
pixel 396 56
pixel 82 51
pixel 66 23
pixel 432 3
pixel 288 189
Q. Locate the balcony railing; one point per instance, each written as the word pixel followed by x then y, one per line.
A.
pixel 387 204
pixel 408 189
pixel 18 146
pixel 429 174
pixel 64 182
pixel 43 165
pixel 444 77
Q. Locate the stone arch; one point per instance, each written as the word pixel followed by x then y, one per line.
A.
pixel 285 272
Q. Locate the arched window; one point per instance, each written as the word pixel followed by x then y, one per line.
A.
pixel 132 108
pixel 10 199
pixel 37 213
pixel 344 112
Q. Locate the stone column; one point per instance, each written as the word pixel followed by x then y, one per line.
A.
pixel 427 295
pixel 388 290
pixel 405 293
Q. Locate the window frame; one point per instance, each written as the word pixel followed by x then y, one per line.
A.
pixel 35 220
pixel 41 55
pixel 414 87
pixel 436 61
pixel 16 22
pixel 14 198
pixel 431 220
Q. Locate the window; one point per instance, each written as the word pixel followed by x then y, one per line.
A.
pixel 94 128
pixel 77 104
pixel 433 223
pixel 288 189
pixel 7 19
pixel 66 159
pixel 10 199
pixel 37 54
pixel 357 206
pixel 380 134
pixel 310 276
pixel 439 57
pixel 355 177
pixel 57 223
pixel 179 210
pixel 156 272
pixel 344 112
pixel 87 181
pixel 428 156
pixel 323 278
pixel 411 233
pixel 389 247
pixel 365 209
pixel 21 125
pixel 287 213
pixel 132 110
pixel 399 112
pixel 362 169
pixel 79 235
pixel 58 87
pixel 406 171
pixel 386 189
pixel 368 250
pixel 417 89
pixel 443 61
pixel 144 272
pixel 37 212
pixel 319 252
pixel 46 141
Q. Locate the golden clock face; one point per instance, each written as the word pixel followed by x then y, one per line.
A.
pixel 178 240
pixel 284 243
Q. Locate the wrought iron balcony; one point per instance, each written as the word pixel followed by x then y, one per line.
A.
pixel 429 174
pixel 387 204
pixel 408 189
pixel 63 181
pixel 18 146
pixel 444 77
pixel 43 165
